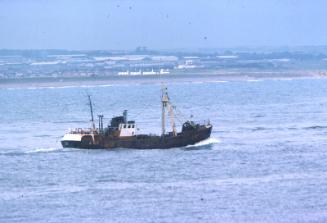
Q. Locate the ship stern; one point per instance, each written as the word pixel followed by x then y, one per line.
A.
pixel 71 140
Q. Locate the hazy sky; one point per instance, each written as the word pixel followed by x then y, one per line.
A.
pixel 161 24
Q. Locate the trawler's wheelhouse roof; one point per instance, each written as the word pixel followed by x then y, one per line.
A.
pixel 115 121
pixel 121 127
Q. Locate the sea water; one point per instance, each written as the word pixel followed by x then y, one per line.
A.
pixel 266 160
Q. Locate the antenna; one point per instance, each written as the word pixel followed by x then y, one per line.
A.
pixel 100 123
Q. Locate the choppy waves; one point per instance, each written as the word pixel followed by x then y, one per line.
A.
pixel 190 184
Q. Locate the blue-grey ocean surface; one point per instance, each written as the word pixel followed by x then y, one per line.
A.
pixel 265 162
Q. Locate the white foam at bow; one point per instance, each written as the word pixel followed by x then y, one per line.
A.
pixel 206 142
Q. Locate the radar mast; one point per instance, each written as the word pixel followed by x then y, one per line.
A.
pixel 166 104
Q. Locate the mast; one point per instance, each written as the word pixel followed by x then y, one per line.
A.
pixel 166 104
pixel 91 110
pixel 164 101
pixel 100 123
pixel 172 119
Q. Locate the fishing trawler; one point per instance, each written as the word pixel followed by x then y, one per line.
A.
pixel 122 133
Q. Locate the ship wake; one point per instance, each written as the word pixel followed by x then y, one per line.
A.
pixel 43 150
pixel 206 142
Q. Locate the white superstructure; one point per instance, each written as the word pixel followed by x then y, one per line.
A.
pixel 77 137
pixel 127 129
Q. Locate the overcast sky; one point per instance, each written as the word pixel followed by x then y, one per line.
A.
pixel 161 24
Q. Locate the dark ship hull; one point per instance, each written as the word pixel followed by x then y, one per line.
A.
pixel 121 133
pixel 184 138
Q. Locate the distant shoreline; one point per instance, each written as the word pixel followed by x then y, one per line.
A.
pixel 112 80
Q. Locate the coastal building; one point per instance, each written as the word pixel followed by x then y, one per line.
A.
pixel 144 73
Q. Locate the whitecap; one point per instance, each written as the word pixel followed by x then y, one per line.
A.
pixel 218 81
pixel 254 80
